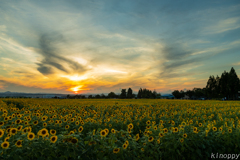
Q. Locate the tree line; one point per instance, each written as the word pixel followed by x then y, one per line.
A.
pixel 226 86
pixel 142 93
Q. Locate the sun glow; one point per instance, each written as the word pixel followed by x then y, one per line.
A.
pixel 75 77
pixel 76 89
pixel 113 71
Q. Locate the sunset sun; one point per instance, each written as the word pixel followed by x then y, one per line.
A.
pixel 76 89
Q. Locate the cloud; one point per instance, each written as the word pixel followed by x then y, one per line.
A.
pixel 224 25
pixel 236 64
pixel 174 58
pixel 50 45
pixel 3 28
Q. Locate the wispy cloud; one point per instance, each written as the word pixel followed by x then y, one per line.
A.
pixel 236 64
pixel 223 26
pixel 53 59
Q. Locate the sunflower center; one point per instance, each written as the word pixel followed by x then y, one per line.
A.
pixel 74 141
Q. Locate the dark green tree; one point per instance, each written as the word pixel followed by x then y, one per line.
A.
pixel 224 84
pixel 190 93
pixel 177 94
pixel 154 94
pixel 97 96
pixel 217 88
pixel 123 94
pixel 210 88
pixel 198 92
pixel 103 96
pixel 111 95
pixel 129 93
pixel 182 93
pixel 159 95
pixel 233 85
pixel 140 92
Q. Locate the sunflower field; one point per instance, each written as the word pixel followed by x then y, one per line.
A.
pixel 117 129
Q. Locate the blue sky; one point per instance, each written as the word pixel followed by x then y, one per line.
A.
pixel 101 46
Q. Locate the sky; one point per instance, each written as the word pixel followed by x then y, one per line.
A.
pixel 99 46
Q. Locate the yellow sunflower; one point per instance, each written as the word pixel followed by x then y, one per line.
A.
pixel 1 133
pixel 129 130
pixel 148 122
pixel 5 145
pixel 44 124
pixel 124 146
pixel 195 129
pixel 44 118
pixel 29 129
pixel 53 139
pixel 130 126
pixel 182 140
pixel 80 129
pixel 214 128
pixel 185 135
pixel 1 124
pixel 19 143
pixel 43 132
pixel 113 131
pixel 150 139
pixel 6 139
pixel 103 133
pixel 18 121
pixel 74 140
pixel 161 134
pixel 53 132
pixel 35 122
pixel 165 130
pixel 31 136
pixel 67 127
pixel 107 131
pixel 137 137
pixel 116 150
pixel 13 131
pixel 175 130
